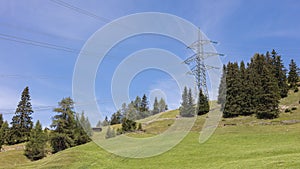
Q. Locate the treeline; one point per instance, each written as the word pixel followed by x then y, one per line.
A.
pixel 256 87
pixel 135 110
pixel 68 129
pixel 128 114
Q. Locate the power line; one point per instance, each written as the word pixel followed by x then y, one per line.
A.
pixel 35 43
pixel 80 10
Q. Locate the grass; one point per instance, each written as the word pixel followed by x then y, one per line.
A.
pixel 249 143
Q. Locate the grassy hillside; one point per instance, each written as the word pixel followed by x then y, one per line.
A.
pixel 242 142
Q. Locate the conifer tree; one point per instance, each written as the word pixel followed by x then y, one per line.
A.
pixel 185 110
pixel 110 133
pixel 191 107
pixel 162 105
pixel 293 77
pixel 280 74
pixel 144 104
pixel 5 134
pixel 1 120
pixel 222 89
pixel 64 124
pixel 35 148
pixel 267 91
pixel 105 121
pixel 22 120
pixel 116 118
pixel 202 104
pixel 233 82
pixel 155 106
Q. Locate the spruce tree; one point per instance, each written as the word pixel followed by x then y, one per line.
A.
pixel 116 118
pixel 22 120
pixel 191 107
pixel 280 74
pixel 64 124
pixel 202 104
pixel 267 95
pixel 5 134
pixel 293 77
pixel 162 105
pixel 233 82
pixel 110 133
pixel 144 104
pixel 105 121
pixel 35 148
pixel 222 89
pixel 155 106
pixel 137 103
pixel 185 110
pixel 1 120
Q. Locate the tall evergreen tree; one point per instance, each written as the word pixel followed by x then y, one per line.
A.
pixel 155 106
pixel 202 104
pixel 22 120
pixel 184 109
pixel 162 105
pixel 64 124
pixel 233 82
pixel 5 134
pixel 280 74
pixel 293 76
pixel 105 121
pixel 144 104
pixel 137 103
pixel 35 148
pixel 116 118
pixel 1 120
pixel 222 89
pixel 267 96
pixel 191 107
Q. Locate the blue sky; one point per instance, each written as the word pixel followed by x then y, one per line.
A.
pixel 242 28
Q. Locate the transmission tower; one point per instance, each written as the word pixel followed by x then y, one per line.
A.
pixel 197 60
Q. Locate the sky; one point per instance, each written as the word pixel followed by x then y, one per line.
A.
pixel 40 43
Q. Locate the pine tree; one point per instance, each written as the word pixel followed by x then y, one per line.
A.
pixel 22 120
pixel 1 120
pixel 244 97
pixel 82 130
pixel 222 89
pixel 105 121
pixel 233 82
pixel 267 95
pixel 64 124
pixel 191 107
pixel 35 148
pixel 137 103
pixel 293 77
pixel 185 104
pixel 155 106
pixel 144 104
pixel 131 112
pixel 128 125
pixel 5 134
pixel 162 105
pixel 202 104
pixel 280 74
pixel 116 118
pixel 110 133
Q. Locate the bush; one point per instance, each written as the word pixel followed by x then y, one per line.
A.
pixel 296 90
pixel 294 108
pixel 287 110
pixel 140 127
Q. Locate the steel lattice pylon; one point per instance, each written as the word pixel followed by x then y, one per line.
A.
pixel 199 69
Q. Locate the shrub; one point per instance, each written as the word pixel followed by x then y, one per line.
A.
pixel 296 90
pixel 287 110
pixel 294 108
